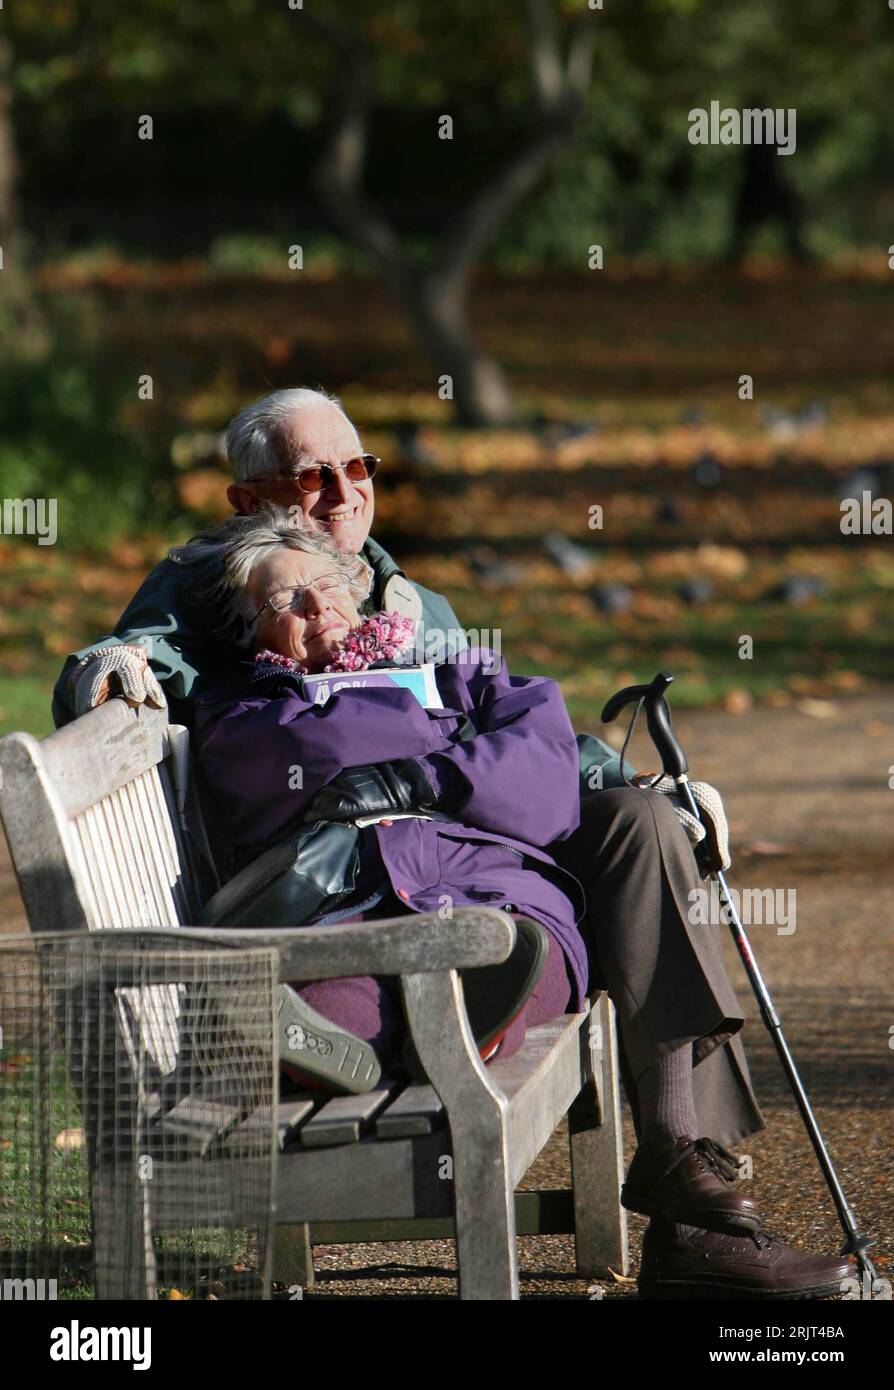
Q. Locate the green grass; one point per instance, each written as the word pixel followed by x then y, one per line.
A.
pixel 25 700
pixel 45 1211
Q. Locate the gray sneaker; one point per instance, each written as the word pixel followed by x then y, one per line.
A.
pixel 313 1049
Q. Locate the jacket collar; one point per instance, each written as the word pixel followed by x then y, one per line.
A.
pixel 383 565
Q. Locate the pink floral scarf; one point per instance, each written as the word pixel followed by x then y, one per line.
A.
pixel 382 637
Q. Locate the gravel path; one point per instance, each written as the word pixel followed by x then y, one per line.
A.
pixel 807 794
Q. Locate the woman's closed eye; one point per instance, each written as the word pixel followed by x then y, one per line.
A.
pixel 294 597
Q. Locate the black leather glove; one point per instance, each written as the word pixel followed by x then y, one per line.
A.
pixel 374 790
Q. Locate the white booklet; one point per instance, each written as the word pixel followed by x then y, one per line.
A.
pixel 419 679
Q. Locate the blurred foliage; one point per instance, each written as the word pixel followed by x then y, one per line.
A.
pixel 469 516
pixel 241 87
pixel 65 434
pixel 238 93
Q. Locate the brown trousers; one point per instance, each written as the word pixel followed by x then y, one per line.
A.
pixel 665 976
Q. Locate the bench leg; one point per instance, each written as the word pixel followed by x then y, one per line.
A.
pixel 293 1257
pixel 123 1253
pixel 484 1203
pixel 597 1160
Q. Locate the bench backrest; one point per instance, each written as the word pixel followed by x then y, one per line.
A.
pixel 96 819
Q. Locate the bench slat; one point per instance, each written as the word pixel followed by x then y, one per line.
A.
pixel 417 1110
pixel 290 1115
pixel 209 1113
pixel 156 906
pixel 341 1120
pixel 540 1083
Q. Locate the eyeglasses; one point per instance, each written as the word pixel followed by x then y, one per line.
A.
pixel 294 598
pixel 317 476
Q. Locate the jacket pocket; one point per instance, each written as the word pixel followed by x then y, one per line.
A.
pixel 478 868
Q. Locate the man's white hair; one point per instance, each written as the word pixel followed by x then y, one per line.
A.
pixel 249 446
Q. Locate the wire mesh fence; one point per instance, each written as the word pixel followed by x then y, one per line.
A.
pixel 138 1091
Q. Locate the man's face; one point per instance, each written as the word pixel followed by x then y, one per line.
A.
pixel 314 435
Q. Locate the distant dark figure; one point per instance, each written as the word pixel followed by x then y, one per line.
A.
pixel 766 196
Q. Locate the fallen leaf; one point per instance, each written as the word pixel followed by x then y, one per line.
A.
pixel 724 560
pixel 846 680
pixel 818 709
pixel 738 701
pixel 69 1139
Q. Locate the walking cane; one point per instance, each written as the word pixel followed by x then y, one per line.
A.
pixel 675 765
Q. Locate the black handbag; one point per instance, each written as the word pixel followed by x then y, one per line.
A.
pixel 309 874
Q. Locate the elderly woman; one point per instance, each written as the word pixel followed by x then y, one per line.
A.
pixel 495 769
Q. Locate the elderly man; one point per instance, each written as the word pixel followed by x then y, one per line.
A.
pixel 683 1064
pixel 297 448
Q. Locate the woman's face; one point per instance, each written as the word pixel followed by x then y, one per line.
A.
pixel 307 630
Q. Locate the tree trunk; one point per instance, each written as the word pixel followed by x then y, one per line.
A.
pixel 22 329
pixel 435 299
pixel 439 312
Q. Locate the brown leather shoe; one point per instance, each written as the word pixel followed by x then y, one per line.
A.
pixel 690 1182
pixel 708 1264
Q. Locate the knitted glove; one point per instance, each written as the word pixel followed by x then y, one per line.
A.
pixel 709 836
pixel 372 790
pixel 115 671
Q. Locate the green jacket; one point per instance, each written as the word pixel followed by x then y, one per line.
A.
pixel 182 654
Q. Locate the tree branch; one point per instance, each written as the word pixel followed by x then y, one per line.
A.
pixel 337 175
pixel 560 96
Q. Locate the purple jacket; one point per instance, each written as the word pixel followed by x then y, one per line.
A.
pixel 265 751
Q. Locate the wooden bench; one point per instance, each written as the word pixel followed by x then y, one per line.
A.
pixel 104 833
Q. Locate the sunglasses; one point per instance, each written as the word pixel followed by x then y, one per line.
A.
pixel 318 476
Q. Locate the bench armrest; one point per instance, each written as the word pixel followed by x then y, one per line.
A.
pixel 421 944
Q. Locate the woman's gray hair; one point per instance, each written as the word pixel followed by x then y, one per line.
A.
pixel 223 558
pixel 248 437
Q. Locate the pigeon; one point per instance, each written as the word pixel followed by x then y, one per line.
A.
pixel 698 589
pixel 668 511
pixel 800 588
pixel 611 598
pixel 494 572
pixel 813 413
pixel 860 480
pixel 556 432
pixel 571 558
pixel 410 451
pixel 567 432
pixel 707 470
pixel 780 423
